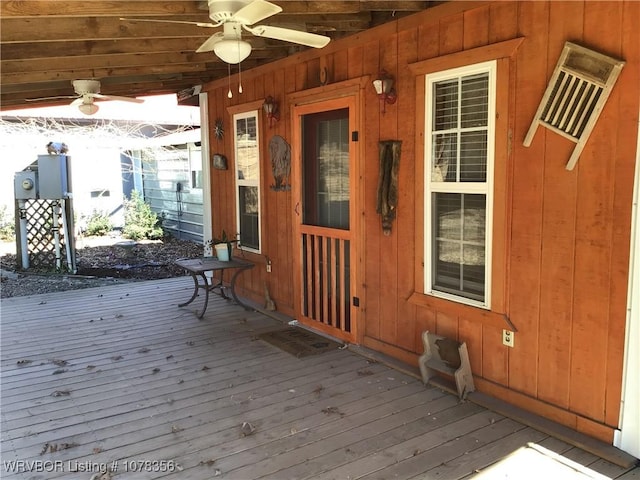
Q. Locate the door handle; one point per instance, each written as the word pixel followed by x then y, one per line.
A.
pixel 297 209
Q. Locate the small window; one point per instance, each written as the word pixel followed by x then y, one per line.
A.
pixel 460 112
pixel 195 165
pixel 100 193
pixel 247 169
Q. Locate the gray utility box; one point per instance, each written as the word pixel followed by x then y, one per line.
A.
pixel 53 176
pixel 25 185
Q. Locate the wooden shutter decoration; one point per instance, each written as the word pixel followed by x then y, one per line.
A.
pixel 575 96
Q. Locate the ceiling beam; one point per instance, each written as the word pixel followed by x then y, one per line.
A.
pixel 29 51
pixel 82 8
pixel 43 29
pixel 147 87
pixel 298 7
pixel 60 81
pixel 108 85
pixel 27 67
pixel 98 73
pixel 104 8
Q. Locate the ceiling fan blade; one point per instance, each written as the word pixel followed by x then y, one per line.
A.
pixel 208 45
pixel 289 35
pixel 117 97
pixel 49 98
pixel 77 101
pixel 256 11
pixel 199 24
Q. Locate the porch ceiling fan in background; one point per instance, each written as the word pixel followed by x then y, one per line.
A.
pixel 86 92
pixel 234 16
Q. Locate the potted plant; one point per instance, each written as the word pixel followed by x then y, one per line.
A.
pixel 223 246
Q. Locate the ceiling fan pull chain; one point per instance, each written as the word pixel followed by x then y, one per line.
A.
pixel 239 68
pixel 229 94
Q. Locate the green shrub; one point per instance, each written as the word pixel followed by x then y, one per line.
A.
pixel 140 222
pixel 99 224
pixel 7 224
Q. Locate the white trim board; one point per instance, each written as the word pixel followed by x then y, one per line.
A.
pixel 206 172
pixel 628 437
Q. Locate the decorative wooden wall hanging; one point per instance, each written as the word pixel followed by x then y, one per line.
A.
pixel 280 152
pixel 575 96
pixel 388 182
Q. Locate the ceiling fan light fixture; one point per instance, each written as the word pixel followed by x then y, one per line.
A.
pixel 232 51
pixel 88 108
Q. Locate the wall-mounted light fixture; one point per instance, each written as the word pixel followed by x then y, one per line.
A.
pixel 270 107
pixel 384 89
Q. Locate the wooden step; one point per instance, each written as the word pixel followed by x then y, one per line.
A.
pixel 441 366
pixel 444 384
pixel 445 362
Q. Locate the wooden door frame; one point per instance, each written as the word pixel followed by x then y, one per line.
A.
pixel 348 94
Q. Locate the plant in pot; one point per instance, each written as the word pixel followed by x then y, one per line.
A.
pixel 223 246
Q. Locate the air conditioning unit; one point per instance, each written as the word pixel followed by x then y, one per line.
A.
pixel 575 96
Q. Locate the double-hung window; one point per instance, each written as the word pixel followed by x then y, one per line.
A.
pixel 459 157
pixel 247 169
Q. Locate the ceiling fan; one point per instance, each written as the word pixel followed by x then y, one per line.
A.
pixel 236 15
pixel 86 92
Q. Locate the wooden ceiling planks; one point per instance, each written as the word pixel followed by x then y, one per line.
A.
pixel 47 43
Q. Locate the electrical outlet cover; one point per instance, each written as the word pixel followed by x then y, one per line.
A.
pixel 508 338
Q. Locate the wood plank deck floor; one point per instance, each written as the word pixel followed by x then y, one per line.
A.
pixel 119 376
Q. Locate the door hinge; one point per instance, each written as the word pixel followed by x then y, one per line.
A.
pixel 354 136
pixel 356 301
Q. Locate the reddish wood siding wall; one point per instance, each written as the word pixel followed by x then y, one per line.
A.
pixel 566 239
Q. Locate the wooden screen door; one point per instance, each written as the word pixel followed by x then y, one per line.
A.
pixel 323 172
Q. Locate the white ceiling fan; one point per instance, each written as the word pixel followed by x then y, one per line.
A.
pixel 86 92
pixel 235 15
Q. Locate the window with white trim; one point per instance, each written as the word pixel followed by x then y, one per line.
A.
pixel 195 165
pixel 247 171
pixel 459 157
